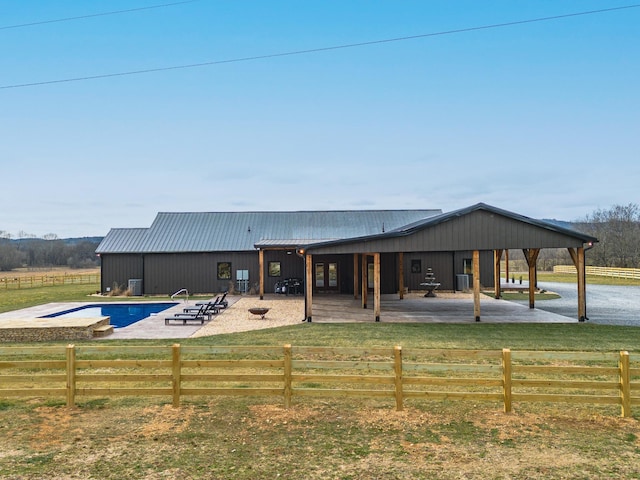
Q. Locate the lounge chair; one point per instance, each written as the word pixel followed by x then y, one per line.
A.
pixel 185 317
pixel 220 301
pixel 211 308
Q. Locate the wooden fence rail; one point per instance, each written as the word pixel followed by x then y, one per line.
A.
pixel 289 372
pixel 33 281
pixel 633 273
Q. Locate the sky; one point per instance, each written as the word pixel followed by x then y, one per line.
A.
pixel 541 118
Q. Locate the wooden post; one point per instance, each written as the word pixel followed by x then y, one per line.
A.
pixel 506 379
pixel 476 285
pixel 287 376
pixel 625 384
pixel 397 367
pixel 71 375
pixel 376 286
pixel 531 255
pixel 497 256
pixel 176 373
pixel 309 287
pixel 356 277
pixel 365 279
pixel 582 286
pixel 401 274
pixel 261 260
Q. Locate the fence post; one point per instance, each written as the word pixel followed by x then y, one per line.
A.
pixel 287 376
pixel 625 384
pixel 71 375
pixel 176 373
pixel 397 367
pixel 506 379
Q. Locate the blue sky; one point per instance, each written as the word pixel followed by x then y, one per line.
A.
pixel 539 118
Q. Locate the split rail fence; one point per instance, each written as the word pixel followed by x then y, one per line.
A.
pixel 633 273
pixel 33 281
pixel 296 372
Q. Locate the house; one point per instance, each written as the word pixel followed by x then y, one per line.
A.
pixel 346 252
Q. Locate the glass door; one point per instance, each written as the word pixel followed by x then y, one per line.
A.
pixel 326 276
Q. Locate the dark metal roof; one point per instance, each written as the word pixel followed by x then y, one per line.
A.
pixel 243 231
pixel 435 220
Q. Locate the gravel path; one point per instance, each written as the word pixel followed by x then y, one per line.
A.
pixel 236 318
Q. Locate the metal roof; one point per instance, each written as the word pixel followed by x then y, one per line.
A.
pixel 241 231
pixel 123 240
pixel 422 224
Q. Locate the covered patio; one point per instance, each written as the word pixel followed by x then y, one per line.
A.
pixel 476 229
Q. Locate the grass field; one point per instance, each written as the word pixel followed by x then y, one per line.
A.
pixel 341 438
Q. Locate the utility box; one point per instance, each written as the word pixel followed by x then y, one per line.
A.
pixel 135 286
pixel 462 282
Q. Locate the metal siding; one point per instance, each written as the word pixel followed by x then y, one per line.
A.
pixel 118 269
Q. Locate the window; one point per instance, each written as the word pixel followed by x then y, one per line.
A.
pixel 274 269
pixel 467 266
pixel 416 266
pixel 224 270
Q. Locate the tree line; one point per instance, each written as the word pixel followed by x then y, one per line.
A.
pixel 617 230
pixel 47 252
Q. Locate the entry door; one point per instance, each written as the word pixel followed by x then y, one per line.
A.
pixel 326 276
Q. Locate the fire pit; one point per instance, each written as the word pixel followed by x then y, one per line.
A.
pixel 259 311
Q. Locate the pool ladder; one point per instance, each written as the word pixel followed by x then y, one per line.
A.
pixel 182 290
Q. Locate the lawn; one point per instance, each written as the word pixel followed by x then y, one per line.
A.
pixel 336 438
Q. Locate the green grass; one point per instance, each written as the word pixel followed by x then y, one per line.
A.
pixel 246 439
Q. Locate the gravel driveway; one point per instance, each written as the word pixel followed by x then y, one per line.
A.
pixel 606 304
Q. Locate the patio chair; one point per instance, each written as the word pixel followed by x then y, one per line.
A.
pixel 220 301
pixel 185 317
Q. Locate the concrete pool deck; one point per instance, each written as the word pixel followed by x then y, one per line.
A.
pixel 414 308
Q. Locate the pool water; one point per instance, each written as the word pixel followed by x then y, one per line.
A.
pixel 122 314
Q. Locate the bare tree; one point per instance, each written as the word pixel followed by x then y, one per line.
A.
pixel 618 234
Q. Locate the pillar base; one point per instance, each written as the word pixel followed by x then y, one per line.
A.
pixel 477 319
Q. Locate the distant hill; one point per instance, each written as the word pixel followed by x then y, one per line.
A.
pixel 66 241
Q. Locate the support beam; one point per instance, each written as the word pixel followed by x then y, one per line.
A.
pixel 308 291
pixel 497 257
pixel 356 278
pixel 401 274
pixel 582 285
pixel 365 279
pixel 376 286
pixel 577 255
pixel 261 258
pixel 531 256
pixel 476 285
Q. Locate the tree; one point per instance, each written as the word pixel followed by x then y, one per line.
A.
pixel 618 234
pixel 10 256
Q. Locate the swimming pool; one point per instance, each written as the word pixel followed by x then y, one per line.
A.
pixel 122 314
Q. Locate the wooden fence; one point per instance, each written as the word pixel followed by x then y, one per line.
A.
pixel 601 271
pixel 20 282
pixel 290 373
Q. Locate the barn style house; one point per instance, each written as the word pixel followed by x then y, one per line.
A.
pixel 364 253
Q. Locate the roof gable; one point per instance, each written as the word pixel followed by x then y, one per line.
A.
pixel 479 227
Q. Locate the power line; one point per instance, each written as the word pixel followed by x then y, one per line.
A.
pixel 103 14
pixel 317 50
